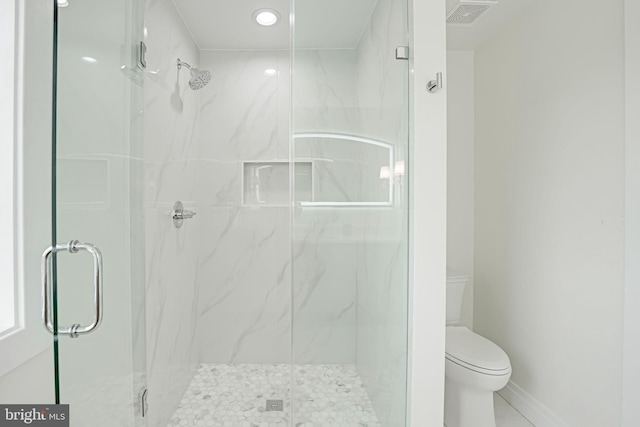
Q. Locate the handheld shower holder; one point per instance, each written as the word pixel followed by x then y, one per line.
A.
pixel 182 63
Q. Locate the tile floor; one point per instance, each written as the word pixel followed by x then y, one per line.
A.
pixel 506 415
pixel 236 396
pixel 325 395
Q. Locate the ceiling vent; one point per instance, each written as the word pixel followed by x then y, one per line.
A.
pixel 466 12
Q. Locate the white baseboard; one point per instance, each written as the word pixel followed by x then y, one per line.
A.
pixel 529 407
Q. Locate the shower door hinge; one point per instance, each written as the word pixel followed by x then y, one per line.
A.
pixel 144 404
pixel 142 55
pixel 402 52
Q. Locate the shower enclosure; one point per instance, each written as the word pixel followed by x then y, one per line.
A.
pixel 284 299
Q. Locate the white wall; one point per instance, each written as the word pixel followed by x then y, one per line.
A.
pixel 631 373
pixel 428 221
pixel 549 249
pixel 171 147
pixel 460 172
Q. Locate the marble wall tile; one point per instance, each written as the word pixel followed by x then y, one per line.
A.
pixel 241 114
pixel 244 269
pixel 360 92
pixel 244 273
pixel 324 94
pixel 324 319
pixel 171 148
pixel 325 239
pixel 244 277
pixel 382 82
pixel 382 281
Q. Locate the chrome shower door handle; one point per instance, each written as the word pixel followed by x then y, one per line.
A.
pixel 73 247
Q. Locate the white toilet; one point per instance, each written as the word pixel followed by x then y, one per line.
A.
pixel 474 368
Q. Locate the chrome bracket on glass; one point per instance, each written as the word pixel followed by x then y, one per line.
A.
pixel 142 55
pixel 179 214
pixel 435 85
pixel 144 403
pixel 73 247
pixel 402 52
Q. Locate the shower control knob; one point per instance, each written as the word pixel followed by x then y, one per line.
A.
pixel 185 215
pixel 179 214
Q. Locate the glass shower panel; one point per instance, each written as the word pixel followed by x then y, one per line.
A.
pixel 99 374
pixel 350 240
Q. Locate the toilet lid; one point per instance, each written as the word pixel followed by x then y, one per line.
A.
pixel 475 352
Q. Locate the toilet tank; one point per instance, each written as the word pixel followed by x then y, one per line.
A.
pixel 455 292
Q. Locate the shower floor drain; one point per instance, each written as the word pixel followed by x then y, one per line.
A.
pixel 274 405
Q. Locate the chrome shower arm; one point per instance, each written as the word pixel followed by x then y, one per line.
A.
pixel 182 63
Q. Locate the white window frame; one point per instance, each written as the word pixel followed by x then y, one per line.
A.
pixel 27 338
pixel 7 165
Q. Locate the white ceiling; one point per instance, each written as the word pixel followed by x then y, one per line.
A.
pixel 329 24
pixel 228 24
pixel 461 37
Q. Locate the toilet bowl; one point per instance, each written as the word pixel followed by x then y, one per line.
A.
pixel 474 368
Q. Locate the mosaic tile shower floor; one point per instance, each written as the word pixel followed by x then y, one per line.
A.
pixel 236 396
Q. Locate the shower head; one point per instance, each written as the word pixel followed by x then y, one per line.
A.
pixel 199 78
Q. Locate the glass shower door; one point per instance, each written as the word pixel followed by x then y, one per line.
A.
pixel 95 295
pixel 350 145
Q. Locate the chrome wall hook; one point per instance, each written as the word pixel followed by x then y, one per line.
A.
pixel 435 85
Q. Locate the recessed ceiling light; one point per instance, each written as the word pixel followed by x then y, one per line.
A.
pixel 266 17
pixel 89 59
pixel 270 72
pixel 63 3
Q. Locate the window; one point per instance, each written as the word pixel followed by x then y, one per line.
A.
pixel 22 336
pixel 8 295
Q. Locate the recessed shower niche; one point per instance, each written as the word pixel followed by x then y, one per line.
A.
pixel 267 183
pixel 332 170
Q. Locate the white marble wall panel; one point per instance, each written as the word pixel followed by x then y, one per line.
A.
pixel 324 301
pixel 324 95
pixel 245 285
pixel 171 148
pixel 382 284
pixel 382 81
pixel 346 170
pixel 324 251
pixel 244 272
pixel 244 109
pixel 381 329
